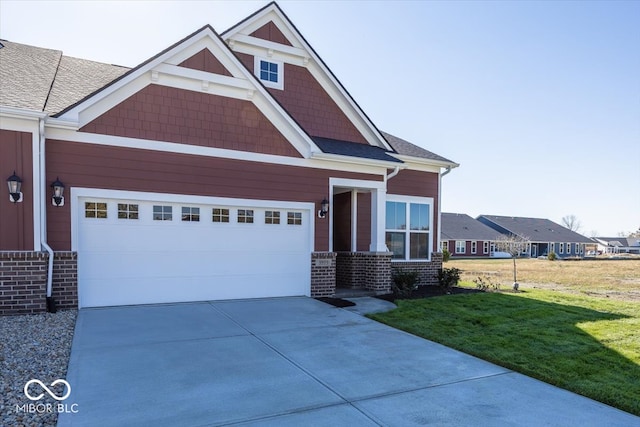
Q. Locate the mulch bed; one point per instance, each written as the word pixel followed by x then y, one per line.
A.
pixel 431 291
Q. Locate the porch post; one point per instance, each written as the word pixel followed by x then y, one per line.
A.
pixel 378 211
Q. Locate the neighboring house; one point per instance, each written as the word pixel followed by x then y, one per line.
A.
pixel 544 236
pixel 617 245
pixel 466 237
pixel 230 165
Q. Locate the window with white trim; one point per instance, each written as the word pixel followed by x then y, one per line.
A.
pixel 408 242
pixel 485 247
pixel 127 211
pixel 272 217
pixel 444 245
pixel 270 72
pixel 561 248
pixel 461 246
pixel 474 247
pixel 294 218
pixel 245 216
pixel 190 214
pixel 220 215
pixel 162 213
pixel 95 210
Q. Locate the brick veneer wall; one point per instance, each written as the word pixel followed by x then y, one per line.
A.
pixel 65 280
pixel 323 274
pixel 23 281
pixel 364 270
pixel 427 271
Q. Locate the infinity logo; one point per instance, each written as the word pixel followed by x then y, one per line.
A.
pixel 51 393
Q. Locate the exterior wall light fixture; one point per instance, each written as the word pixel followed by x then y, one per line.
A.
pixel 15 184
pixel 324 208
pixel 58 193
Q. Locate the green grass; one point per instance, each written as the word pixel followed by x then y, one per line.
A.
pixel 588 345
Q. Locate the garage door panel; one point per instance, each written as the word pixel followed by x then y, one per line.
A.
pixel 142 261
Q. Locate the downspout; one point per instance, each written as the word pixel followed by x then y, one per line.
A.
pixel 446 171
pixel 392 174
pixel 51 306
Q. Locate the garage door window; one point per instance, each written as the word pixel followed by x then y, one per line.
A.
pixel 162 213
pixel 190 214
pixel 294 218
pixel 245 216
pixel 220 215
pixel 95 210
pixel 127 211
pixel 272 217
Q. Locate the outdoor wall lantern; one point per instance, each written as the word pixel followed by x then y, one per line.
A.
pixel 15 184
pixel 324 208
pixel 58 191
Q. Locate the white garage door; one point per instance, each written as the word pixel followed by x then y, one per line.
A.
pixel 145 251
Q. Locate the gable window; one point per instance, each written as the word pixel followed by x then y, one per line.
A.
pixel 272 217
pixel 190 214
pixel 245 216
pixel 127 211
pixel 95 210
pixel 461 246
pixel 162 213
pixel 408 242
pixel 294 218
pixel 485 247
pixel 270 72
pixel 220 215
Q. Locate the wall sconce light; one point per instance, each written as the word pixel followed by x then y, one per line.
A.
pixel 15 184
pixel 58 191
pixel 324 208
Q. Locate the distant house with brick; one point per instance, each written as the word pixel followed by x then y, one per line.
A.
pixel 466 237
pixel 229 165
pixel 544 236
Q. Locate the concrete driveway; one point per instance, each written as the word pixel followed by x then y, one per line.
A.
pixel 293 361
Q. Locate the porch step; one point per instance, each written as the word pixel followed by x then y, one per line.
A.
pixel 354 293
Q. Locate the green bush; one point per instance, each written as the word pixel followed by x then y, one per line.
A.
pixel 404 282
pixel 446 255
pixel 448 277
pixel 552 256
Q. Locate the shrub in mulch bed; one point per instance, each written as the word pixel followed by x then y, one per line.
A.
pixel 428 291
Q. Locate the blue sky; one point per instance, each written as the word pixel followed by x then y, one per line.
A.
pixel 538 101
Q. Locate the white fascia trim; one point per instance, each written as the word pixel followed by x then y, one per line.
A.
pixel 66 134
pixel 202 76
pixel 19 123
pixel 84 192
pixel 20 113
pixel 271 50
pixel 355 160
pixel 314 65
pixel 357 183
pixel 418 163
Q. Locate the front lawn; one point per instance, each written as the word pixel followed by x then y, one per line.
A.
pixel 588 345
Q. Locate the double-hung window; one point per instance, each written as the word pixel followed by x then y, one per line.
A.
pixel 461 246
pixel 408 228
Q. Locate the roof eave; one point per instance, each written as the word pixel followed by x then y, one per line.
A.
pixel 423 161
pixel 356 160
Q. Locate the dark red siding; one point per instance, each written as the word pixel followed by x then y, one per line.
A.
pixel 174 115
pixel 205 61
pixel 271 32
pixel 308 103
pixel 97 166
pixel 422 184
pixel 16 219
pixel 364 222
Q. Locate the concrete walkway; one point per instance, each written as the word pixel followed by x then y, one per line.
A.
pixel 293 362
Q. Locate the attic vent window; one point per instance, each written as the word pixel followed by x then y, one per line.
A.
pixel 270 72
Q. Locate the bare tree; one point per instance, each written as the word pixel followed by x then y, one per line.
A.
pixel 515 246
pixel 571 222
